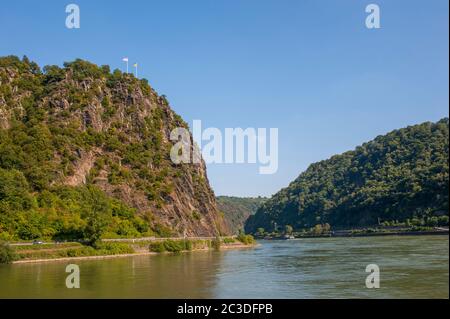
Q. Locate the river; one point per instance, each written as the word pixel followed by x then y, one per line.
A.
pixel 410 267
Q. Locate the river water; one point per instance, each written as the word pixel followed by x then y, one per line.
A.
pixel 410 267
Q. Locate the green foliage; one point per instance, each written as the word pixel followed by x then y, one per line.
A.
pixel 228 240
pixel 188 245
pixel 172 246
pixel 430 221
pixel 320 229
pixel 162 231
pixel 57 122
pixel 14 190
pixel 216 243
pixel 196 215
pixel 111 248
pixel 7 254
pixel 260 231
pixel 288 229
pixel 246 239
pixel 399 176
pixel 238 209
pixel 66 213
pixel 51 246
pixel 157 247
pixel 53 74
pixel 74 250
pixel 84 69
pixel 443 221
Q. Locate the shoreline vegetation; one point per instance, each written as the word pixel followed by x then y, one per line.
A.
pixel 17 253
pixel 361 232
pixel 436 225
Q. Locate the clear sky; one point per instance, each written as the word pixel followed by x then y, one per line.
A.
pixel 308 67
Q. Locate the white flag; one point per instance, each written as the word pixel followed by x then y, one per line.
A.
pixel 125 59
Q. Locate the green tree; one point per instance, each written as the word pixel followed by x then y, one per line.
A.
pixel 96 226
pixel 7 254
pixel 398 176
pixel 288 229
pixel 317 229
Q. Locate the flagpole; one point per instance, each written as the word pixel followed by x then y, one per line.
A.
pixel 125 59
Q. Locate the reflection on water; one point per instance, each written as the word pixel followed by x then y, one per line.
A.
pixel 411 267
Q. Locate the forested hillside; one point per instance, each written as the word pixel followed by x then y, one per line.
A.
pixel 236 210
pixel 400 176
pixel 85 152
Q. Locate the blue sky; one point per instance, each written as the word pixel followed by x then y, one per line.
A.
pixel 310 68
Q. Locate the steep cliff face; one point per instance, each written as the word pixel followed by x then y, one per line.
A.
pixel 107 130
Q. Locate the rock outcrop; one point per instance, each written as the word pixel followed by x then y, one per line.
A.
pixel 110 130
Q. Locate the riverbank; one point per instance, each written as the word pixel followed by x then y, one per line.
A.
pixel 363 233
pixel 76 251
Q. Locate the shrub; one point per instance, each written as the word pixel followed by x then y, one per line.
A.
pixel 114 248
pixel 74 252
pixel 157 247
pixel 196 215
pixel 228 240
pixel 187 245
pixel 162 231
pixel 173 246
pixel 246 239
pixel 7 254
pixel 443 220
pixel 215 243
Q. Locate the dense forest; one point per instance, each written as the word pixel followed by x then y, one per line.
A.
pixel 236 210
pixel 402 176
pixel 85 153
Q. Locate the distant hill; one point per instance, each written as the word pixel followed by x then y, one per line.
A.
pixel 237 209
pixel 401 175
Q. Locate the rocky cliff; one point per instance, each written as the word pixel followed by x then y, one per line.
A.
pixel 81 125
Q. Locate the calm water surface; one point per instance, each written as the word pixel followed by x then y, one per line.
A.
pixel 411 267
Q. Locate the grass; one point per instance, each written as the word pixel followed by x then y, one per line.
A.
pixel 47 246
pixel 176 246
pixel 76 249
pixel 246 239
pixel 101 249
pixel 229 240
pixel 172 246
